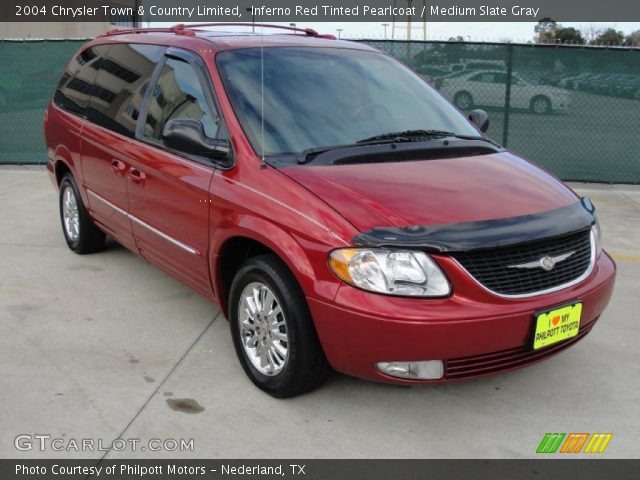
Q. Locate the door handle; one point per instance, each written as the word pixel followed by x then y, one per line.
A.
pixel 136 176
pixel 118 167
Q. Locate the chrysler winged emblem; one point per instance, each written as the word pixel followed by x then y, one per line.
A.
pixel 546 263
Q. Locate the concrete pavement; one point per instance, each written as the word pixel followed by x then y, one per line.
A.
pixel 106 346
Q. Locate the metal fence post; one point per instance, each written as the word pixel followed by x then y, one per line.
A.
pixel 507 95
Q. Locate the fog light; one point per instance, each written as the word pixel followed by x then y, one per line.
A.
pixel 427 370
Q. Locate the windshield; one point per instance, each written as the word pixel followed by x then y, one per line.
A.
pixel 321 97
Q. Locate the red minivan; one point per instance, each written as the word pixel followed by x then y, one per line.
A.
pixel 340 212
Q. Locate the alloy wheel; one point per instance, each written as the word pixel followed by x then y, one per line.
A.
pixel 540 105
pixel 263 329
pixel 70 214
pixel 464 101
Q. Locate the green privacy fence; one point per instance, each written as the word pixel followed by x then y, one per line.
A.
pixel 28 72
pixel 573 110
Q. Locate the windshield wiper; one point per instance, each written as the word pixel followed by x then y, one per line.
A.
pixel 392 137
pixel 308 154
pixel 416 135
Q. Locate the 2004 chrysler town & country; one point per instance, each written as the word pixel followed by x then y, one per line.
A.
pixel 338 209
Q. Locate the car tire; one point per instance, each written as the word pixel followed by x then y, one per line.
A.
pixel 80 232
pixel 272 330
pixel 540 105
pixel 463 100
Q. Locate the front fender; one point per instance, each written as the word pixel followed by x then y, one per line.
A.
pixel 305 257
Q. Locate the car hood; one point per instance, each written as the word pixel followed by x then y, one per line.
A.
pixel 432 192
pixel 556 91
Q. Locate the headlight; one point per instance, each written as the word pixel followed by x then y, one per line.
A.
pixel 597 235
pixel 393 272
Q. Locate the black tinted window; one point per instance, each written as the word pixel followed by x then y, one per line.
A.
pixel 179 94
pixel 74 88
pixel 119 88
pixel 484 78
pixel 500 78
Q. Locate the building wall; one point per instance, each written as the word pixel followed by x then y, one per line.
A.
pixel 53 29
pixel 72 29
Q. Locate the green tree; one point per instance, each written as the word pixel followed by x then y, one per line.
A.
pixel 633 39
pixel 545 29
pixel 568 35
pixel 549 31
pixel 610 36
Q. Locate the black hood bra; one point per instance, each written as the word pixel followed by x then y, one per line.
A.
pixel 485 234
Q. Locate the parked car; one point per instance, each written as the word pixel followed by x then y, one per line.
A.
pixel 429 73
pixel 573 81
pixel 439 81
pixel 339 211
pixel 469 65
pixel 499 65
pixel 550 78
pixel 488 88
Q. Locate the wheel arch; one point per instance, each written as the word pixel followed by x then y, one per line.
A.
pixel 61 169
pixel 463 92
pixel 247 236
pixel 543 97
pixel 63 163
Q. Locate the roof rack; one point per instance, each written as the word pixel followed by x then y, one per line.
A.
pixel 126 31
pixel 189 30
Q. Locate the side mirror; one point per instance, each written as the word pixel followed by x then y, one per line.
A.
pixel 480 118
pixel 187 135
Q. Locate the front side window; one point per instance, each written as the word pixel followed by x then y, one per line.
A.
pixel 179 94
pixel 318 97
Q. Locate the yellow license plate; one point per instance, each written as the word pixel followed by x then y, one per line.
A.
pixel 557 325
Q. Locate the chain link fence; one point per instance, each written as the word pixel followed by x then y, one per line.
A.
pixel 573 110
pixel 28 73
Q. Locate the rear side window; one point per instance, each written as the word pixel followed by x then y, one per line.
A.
pixel 74 89
pixel 500 78
pixel 120 86
pixel 179 94
pixel 489 77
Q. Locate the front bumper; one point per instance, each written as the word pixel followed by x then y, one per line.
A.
pixel 475 332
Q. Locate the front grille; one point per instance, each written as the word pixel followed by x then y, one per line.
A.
pixel 492 267
pixel 478 365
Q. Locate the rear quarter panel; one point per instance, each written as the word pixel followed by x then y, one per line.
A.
pixel 63 138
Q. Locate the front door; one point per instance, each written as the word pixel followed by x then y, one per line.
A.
pixel 169 191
